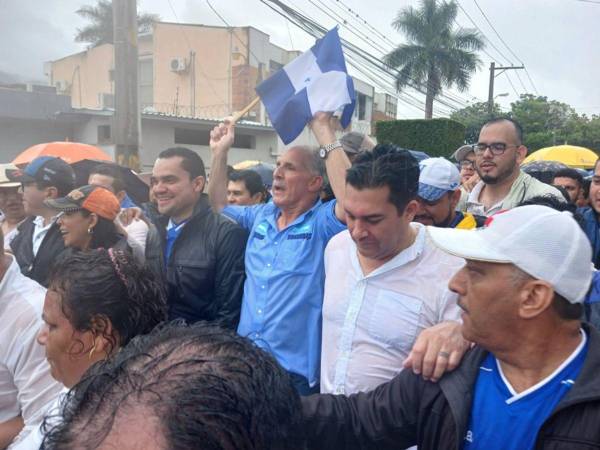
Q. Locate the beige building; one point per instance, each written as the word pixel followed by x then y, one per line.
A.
pixel 184 70
pixel 194 72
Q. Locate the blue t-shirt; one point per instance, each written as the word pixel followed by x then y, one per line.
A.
pixel 501 419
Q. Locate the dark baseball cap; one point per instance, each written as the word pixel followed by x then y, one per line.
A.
pixel 95 199
pixel 44 169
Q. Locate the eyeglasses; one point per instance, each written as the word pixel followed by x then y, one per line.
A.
pixel 467 164
pixel 497 148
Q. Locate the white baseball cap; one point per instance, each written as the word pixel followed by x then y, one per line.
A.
pixel 438 176
pixel 547 244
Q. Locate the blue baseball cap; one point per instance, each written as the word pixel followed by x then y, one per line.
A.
pixel 44 169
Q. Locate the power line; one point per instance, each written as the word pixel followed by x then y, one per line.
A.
pixel 506 45
pixel 511 84
pixel 316 30
pixel 496 32
pixel 461 102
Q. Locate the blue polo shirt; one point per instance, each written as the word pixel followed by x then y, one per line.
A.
pixel 502 419
pixel 283 293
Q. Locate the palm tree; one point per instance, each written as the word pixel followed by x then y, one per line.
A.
pixel 100 29
pixel 436 55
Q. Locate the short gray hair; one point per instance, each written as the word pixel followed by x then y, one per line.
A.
pixel 314 163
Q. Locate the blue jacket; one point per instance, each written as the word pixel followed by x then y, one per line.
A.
pixel 592 230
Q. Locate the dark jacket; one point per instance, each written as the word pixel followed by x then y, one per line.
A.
pixel 411 411
pixel 205 273
pixel 592 230
pixel 37 267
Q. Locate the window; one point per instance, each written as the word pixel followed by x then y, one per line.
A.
pixel 146 76
pixel 103 134
pixel 274 66
pixel 361 106
pixel 188 136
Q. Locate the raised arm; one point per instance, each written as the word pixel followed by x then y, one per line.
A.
pixel 337 161
pixel 221 140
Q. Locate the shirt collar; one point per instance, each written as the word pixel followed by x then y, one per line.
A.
pixel 406 256
pixel 272 218
pixel 38 221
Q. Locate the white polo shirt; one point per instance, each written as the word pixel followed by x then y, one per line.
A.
pixel 370 323
pixel 26 385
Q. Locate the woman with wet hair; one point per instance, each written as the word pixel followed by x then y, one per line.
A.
pixel 97 301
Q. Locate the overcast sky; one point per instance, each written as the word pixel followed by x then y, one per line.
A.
pixel 557 40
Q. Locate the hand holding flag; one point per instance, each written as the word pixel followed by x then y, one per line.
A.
pixel 315 81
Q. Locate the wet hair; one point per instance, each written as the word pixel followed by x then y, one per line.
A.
pixel 112 171
pixel 516 125
pixel 190 160
pixel 386 165
pixel 208 388
pixel 564 308
pixel 97 289
pixel 251 179
pixel 570 173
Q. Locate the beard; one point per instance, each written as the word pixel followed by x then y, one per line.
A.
pixel 502 175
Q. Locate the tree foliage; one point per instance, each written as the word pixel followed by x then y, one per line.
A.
pixel 545 122
pixel 436 55
pixel 100 28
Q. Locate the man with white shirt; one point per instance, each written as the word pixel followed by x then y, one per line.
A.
pixel 498 157
pixel 530 382
pixel 39 241
pixel 26 385
pixel 384 280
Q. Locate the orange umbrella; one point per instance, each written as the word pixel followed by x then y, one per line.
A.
pixel 70 152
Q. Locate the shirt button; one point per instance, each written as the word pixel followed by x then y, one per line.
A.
pixel 339 390
pixel 268 265
pixel 263 286
pixel 275 242
pixel 259 311
pixel 257 335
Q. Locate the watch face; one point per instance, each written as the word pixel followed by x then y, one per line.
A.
pixel 322 153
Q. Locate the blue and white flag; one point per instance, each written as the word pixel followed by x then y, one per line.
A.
pixel 317 80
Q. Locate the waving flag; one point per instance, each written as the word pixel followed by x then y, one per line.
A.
pixel 317 80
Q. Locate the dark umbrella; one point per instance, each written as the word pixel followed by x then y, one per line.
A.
pixel 543 170
pixel 265 171
pixel 135 187
pixel 420 156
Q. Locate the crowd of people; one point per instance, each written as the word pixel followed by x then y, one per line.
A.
pixel 358 299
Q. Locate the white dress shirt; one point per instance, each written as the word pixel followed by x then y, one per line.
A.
pixel 26 385
pixel 370 323
pixel 39 232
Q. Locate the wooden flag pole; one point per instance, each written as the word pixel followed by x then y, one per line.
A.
pixel 238 115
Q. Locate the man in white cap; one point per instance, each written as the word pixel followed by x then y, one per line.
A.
pixel 530 382
pixel 11 205
pixel 439 193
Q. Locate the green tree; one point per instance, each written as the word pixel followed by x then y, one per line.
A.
pixel 436 54
pixel 100 29
pixel 473 117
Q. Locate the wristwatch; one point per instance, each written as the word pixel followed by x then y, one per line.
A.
pixel 324 151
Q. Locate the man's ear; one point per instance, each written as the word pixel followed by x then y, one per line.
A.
pixel 535 297
pixel 410 211
pixel 521 153
pixel 199 182
pixel 315 184
pixel 454 199
pixel 51 192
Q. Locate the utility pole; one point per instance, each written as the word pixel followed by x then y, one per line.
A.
pixel 493 75
pixel 127 117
